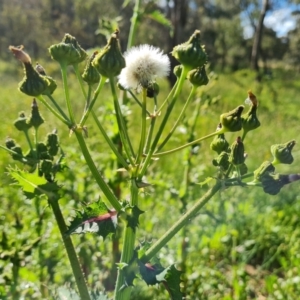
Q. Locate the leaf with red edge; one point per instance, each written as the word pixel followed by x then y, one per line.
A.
pixel 96 218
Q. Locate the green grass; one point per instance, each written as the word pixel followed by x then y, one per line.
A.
pixel 243 245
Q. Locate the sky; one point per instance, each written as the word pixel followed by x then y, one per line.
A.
pixel 280 20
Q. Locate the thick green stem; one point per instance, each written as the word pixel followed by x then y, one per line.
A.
pixel 67 94
pixel 76 268
pixel 186 218
pixel 190 97
pixel 97 176
pixel 127 251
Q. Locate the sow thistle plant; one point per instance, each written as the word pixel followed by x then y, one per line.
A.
pixel 134 73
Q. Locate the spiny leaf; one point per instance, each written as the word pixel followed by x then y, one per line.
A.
pixel 65 293
pixel 96 218
pixel 170 277
pixel 34 185
pixel 150 271
pixel 133 217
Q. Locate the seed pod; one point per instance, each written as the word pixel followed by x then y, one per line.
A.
pixel 90 73
pixel 282 153
pixel 232 120
pixel 237 155
pixel 198 77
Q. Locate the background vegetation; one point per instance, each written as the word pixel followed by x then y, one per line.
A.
pixel 245 244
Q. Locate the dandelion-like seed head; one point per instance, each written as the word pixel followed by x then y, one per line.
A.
pixel 144 64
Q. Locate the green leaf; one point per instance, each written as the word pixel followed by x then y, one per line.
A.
pixel 95 218
pixel 133 217
pixel 157 16
pixel 171 279
pixel 34 185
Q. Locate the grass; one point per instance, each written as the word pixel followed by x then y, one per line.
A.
pixel 243 245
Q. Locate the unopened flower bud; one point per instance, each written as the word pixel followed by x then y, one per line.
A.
pixel 152 90
pixel 272 183
pixel 250 121
pixel 51 82
pixel 232 120
pixel 52 143
pixel 68 52
pixel 90 73
pixel 282 153
pixel 222 160
pixel 266 167
pixel 191 54
pixel 46 166
pixel 177 70
pixel 109 61
pixel 10 143
pixel 35 118
pixel 198 77
pixel 237 154
pixel 22 122
pixel 33 84
pixel 219 144
pixel 43 151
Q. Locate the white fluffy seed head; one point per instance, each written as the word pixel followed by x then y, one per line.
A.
pixel 144 64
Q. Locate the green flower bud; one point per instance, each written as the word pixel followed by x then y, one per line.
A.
pixel 152 90
pixel 191 54
pixel 10 143
pixel 109 61
pixel 33 84
pixel 35 118
pixel 266 167
pixel 219 144
pixel 222 161
pixel 177 71
pixel 90 73
pixel 250 121
pixel 68 52
pixel 272 183
pixel 282 153
pixel 46 166
pixel 22 122
pixel 243 169
pixel 51 84
pixel 19 152
pixel 43 151
pixel 198 77
pixel 232 120
pixel 52 143
pixel 237 153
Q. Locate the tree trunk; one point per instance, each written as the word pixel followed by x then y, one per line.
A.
pixel 258 36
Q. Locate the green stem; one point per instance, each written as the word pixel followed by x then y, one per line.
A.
pixel 91 104
pixel 28 139
pixel 97 176
pixel 164 121
pixel 128 248
pixel 186 145
pixel 76 69
pixel 143 129
pixel 109 142
pixel 65 121
pixel 190 97
pixel 137 101
pixel 121 125
pixel 150 134
pixel 76 268
pixel 134 23
pixel 58 107
pixel 186 218
pixel 63 68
